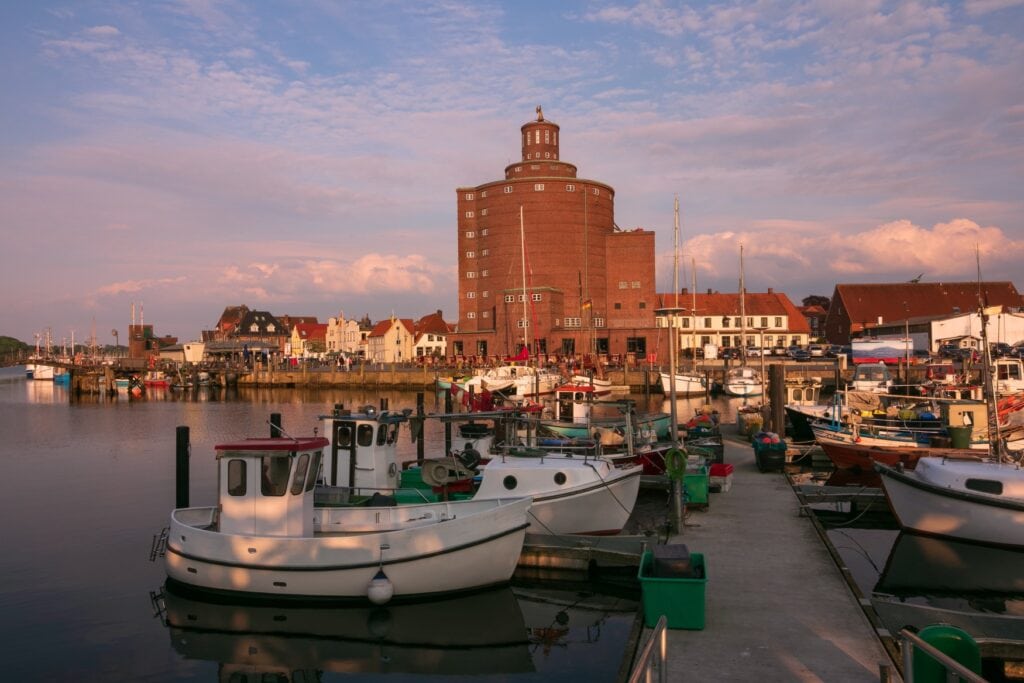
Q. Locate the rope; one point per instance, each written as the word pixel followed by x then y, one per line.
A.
pixel 675 463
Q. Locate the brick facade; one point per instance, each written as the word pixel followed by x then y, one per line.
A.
pixel 576 261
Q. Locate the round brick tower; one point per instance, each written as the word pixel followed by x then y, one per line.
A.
pixel 563 222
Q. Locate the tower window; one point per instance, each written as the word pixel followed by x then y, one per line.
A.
pixel 509 298
pixel 485 252
pixel 470 295
pixel 508 189
pixel 470 275
pixel 470 254
pixel 547 137
pixel 570 188
pixel 537 136
pixel 538 187
pixel 484 273
pixel 471 315
pixel 483 233
pixel 536 297
pixel 470 234
pixel 469 196
pixel 483 212
pixel 469 214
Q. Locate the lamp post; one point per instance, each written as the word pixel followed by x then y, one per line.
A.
pixel 760 331
pixel 117 344
pixel 906 345
pixel 671 313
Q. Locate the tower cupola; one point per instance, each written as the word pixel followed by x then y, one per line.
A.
pixel 540 139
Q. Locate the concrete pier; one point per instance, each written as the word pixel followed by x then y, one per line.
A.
pixel 777 607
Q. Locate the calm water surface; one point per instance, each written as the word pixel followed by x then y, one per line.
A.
pixel 88 484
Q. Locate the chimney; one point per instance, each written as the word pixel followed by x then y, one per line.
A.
pixel 771 290
pixel 683 290
pixel 709 290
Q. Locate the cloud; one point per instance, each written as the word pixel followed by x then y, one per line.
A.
pixel 137 286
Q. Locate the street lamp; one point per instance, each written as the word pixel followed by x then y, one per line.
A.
pixel 117 344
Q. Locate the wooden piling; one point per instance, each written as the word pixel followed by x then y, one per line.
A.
pixel 181 468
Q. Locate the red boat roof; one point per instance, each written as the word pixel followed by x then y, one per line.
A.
pixel 307 443
pixel 588 388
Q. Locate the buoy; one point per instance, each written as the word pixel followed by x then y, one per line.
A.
pixel 380 589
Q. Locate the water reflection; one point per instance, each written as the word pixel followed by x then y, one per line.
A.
pixel 476 634
pixel 929 580
pixel 530 632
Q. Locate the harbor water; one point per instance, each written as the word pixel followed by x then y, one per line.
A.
pixel 89 483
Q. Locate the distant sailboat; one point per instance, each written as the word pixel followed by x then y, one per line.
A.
pixel 743 380
pixel 687 383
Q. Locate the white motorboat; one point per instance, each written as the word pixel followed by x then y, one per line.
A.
pixel 517 380
pixel 971 500
pixel 268 537
pixel 571 494
pixel 687 383
pixel 743 381
pixel 872 377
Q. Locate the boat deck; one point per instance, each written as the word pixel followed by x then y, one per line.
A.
pixel 777 607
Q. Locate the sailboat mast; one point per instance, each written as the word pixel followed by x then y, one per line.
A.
pixel 743 311
pixel 522 247
pixel 675 257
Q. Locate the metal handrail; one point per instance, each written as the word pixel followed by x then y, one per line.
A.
pixel 954 669
pixel 651 661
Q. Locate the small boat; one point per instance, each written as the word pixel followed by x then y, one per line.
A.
pixel 980 501
pixel 574 487
pixel 271 536
pixel 687 383
pixel 156 378
pixel 602 387
pixel 860 456
pixel 574 418
pixel 514 380
pixel 743 381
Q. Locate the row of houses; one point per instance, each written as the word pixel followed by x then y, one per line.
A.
pixel 242 332
pixel 931 313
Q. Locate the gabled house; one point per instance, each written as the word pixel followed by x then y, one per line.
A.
pixel 343 335
pixel 261 326
pixel 228 323
pixel 431 336
pixel 714 318
pixel 309 339
pixel 857 309
pixel 391 341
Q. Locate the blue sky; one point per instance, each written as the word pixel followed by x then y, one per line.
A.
pixel 302 157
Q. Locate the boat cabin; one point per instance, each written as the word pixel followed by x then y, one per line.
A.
pixel 873 377
pixel 362 448
pixel 573 403
pixel 803 392
pixel 265 486
pixel 1009 376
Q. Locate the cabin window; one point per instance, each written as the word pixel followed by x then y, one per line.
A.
pixel 275 476
pixel 364 435
pixel 392 434
pixel 343 437
pixel 985 486
pixel 314 471
pixel 510 483
pixel 382 435
pixel 299 477
pixel 236 478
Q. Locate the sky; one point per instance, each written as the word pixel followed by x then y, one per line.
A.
pixel 302 157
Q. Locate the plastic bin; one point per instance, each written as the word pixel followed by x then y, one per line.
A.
pixel 695 486
pixel 681 600
pixel 960 437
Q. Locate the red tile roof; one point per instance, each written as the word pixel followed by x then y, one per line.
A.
pixel 754 304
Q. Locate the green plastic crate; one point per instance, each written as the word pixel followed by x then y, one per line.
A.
pixel 680 600
pixel 695 484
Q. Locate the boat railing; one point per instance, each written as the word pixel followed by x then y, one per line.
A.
pixel 909 642
pixel 652 664
pixel 346 496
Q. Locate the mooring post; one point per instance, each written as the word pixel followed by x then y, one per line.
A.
pixel 275 425
pixel 447 424
pixel 420 411
pixel 181 468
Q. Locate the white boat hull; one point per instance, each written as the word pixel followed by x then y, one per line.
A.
pixel 429 549
pixel 921 503
pixel 687 384
pixel 595 497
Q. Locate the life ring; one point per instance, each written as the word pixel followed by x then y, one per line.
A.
pixel 675 463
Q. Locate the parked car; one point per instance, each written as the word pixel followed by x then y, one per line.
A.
pixel 779 350
pixel 793 349
pixel 1000 349
pixel 754 352
pixel 816 350
pixel 949 350
pixel 728 352
pixel 969 355
pixel 799 354
pixel 833 350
